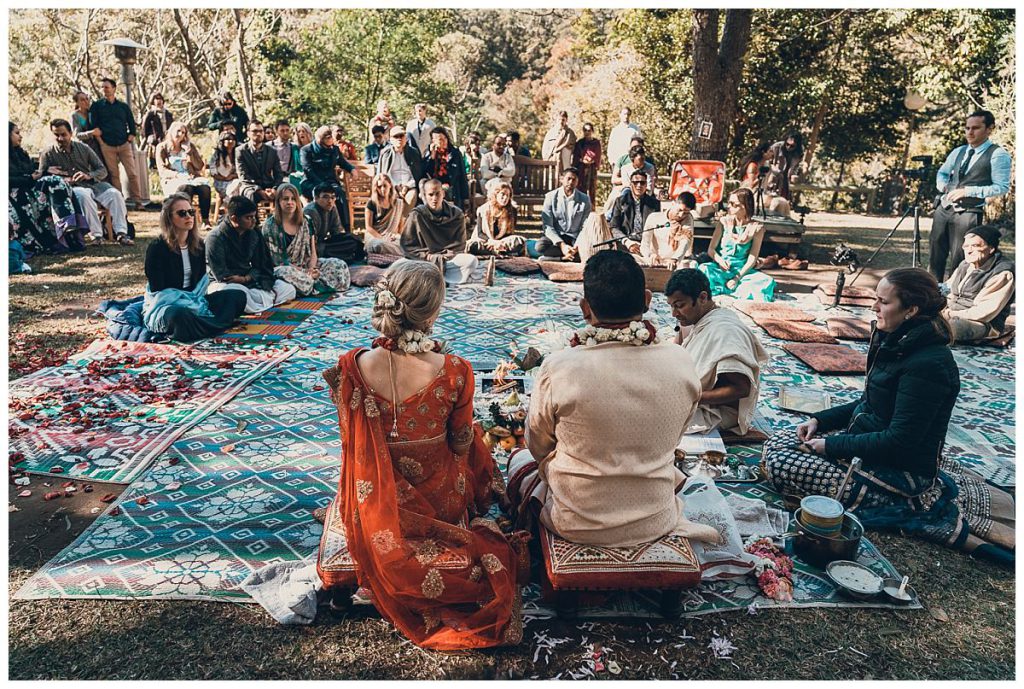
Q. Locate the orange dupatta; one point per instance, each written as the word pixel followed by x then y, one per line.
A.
pixel 405 506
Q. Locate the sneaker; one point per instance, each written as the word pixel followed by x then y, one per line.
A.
pixel 125 240
pixel 131 205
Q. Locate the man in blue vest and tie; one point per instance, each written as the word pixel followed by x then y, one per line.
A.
pixel 973 173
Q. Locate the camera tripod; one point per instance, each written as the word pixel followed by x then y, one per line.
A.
pixel 915 209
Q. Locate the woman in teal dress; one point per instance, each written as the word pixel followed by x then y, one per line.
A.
pixel 733 251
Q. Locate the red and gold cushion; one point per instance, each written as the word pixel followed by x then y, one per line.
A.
pixel 666 563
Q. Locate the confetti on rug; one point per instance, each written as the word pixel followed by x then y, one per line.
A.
pixel 115 406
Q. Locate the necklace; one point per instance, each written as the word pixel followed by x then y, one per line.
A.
pixel 394 395
pixel 636 333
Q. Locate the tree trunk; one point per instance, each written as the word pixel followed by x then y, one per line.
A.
pixel 717 67
pixel 189 49
pixel 243 64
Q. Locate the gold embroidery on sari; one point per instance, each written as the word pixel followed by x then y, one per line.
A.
pixel 363 490
pixel 460 484
pixel 384 541
pixel 370 405
pixel 426 550
pixel 410 469
pixel 475 573
pixel 423 409
pixel 405 493
pixel 433 585
pixel 514 631
pixel 357 398
pixel 491 563
pixel 486 523
pixel 430 620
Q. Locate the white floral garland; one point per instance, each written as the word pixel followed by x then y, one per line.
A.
pixel 415 342
pixel 636 333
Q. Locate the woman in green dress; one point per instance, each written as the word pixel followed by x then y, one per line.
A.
pixel 733 251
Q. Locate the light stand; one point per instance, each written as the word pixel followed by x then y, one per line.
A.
pixel 915 257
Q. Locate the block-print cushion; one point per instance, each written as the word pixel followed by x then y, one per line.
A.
pixel 517 265
pixel 365 276
pixel 849 328
pixel 780 312
pixel 823 358
pixel 795 331
pixel 381 260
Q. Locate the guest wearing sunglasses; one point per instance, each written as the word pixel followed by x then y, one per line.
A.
pixel 229 111
pixel 176 302
pixel 631 210
pixel 733 251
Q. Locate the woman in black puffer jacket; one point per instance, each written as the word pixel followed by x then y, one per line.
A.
pixel 898 428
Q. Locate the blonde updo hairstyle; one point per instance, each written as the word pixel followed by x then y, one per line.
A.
pixel 418 289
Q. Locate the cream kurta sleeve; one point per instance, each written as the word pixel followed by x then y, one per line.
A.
pixel 540 422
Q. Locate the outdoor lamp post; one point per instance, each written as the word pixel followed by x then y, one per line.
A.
pixel 913 102
pixel 126 52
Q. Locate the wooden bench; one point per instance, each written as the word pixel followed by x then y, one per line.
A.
pixel 533 179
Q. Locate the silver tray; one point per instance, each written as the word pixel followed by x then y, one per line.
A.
pixel 722 473
pixel 804 400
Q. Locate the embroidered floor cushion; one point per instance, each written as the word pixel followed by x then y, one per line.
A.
pixel 381 260
pixel 780 312
pixel 517 265
pixel 823 358
pixel 566 271
pixel 849 328
pixel 666 563
pixel 827 296
pixel 795 331
pixel 365 276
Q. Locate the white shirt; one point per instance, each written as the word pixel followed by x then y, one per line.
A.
pixel 419 132
pixel 401 175
pixel 618 140
pixel 187 266
pixel 506 162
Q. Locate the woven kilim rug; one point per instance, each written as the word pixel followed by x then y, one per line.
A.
pixel 235 493
pixel 114 407
pixel 276 324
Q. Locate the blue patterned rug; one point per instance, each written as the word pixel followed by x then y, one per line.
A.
pixel 236 492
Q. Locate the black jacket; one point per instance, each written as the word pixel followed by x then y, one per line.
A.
pixel 20 168
pixel 910 389
pixel 624 213
pixel 455 175
pixel 262 168
pixel 412 158
pixel 230 253
pixel 238 116
pixel 164 269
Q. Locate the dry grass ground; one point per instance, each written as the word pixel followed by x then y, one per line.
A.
pixel 965 632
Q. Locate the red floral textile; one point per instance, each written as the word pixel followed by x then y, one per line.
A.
pixel 442 585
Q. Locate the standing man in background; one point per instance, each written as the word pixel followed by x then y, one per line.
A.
pixel 114 127
pixel 618 140
pixel 419 128
pixel 972 173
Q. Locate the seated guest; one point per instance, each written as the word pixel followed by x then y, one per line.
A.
pixel 222 164
pixel 637 162
pixel 419 128
pixel 668 236
pixel 734 248
pixel 749 171
pixel 495 230
pixel 586 158
pixel 287 152
pixel 320 162
pixel 181 168
pixel 237 259
pixel 471 156
pixel 727 354
pixel 404 165
pixel 981 288
pixel 292 245
pixel 631 211
pixel 497 163
pixel 258 170
pixel 43 213
pixel 228 110
pixel 79 166
pixel 322 215
pixel 898 429
pixel 444 163
pixel 303 136
pixel 176 302
pixel 514 145
pixel 385 218
pixel 601 434
pixel 625 159
pixel 371 154
pixel 423 474
pixel 436 232
pixel 346 148
pixel 562 218
pixel 558 144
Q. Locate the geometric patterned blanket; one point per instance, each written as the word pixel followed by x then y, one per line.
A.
pixel 236 491
pixel 276 323
pixel 115 406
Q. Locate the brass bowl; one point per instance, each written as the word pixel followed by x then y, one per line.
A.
pixel 714 457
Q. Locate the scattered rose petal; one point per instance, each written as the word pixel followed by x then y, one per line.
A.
pixel 228 448
pixel 82 466
pixel 56 470
pixel 116 511
pixel 142 500
pixel 52 495
pixel 109 497
pixel 24 494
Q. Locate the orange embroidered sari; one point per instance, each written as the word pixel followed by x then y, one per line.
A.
pixel 443 576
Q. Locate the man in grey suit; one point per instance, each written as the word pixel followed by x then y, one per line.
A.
pixel 565 209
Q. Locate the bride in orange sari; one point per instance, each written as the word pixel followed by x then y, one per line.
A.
pixel 416 479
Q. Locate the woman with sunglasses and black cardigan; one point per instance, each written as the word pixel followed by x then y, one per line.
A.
pixel 176 300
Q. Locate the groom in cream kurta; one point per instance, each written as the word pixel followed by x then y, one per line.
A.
pixel 605 420
pixel 727 354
